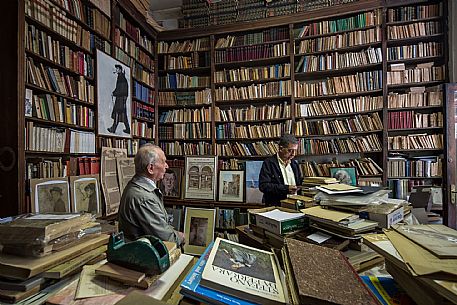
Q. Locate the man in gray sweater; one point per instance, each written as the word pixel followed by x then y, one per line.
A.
pixel 141 211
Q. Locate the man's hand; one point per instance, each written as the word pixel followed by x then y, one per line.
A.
pixel 293 189
pixel 182 237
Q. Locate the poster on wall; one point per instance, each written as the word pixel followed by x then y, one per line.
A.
pixel 114 97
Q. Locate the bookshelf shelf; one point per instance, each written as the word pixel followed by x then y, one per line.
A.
pixel 142 138
pixel 418 60
pixel 339 115
pixel 244 157
pixel 250 82
pixel 408 177
pixel 141 101
pixel 143 83
pixel 254 121
pixel 416 108
pixel 340 135
pixel 426 150
pixel 254 100
pixel 436 18
pixel 60 124
pixel 247 139
pixel 336 33
pixel 338 96
pixel 253 62
pixel 34 154
pixel 184 139
pixel 353 48
pixel 196 70
pixel 183 53
pixel 336 72
pixel 414 130
pixel 143 119
pixel 192 106
pixel 346 153
pixel 189 89
pixel 254 44
pixel 430 83
pixel 31 86
pixel 411 40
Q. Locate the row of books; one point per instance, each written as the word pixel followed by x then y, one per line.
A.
pixel 340 106
pixel 135 33
pixel 89 15
pixel 54 80
pixel 416 29
pixel 369 143
pixel 182 149
pixel 143 75
pixel 195 60
pixel 174 81
pixel 422 73
pixel 143 93
pixel 139 72
pixel 202 97
pixel 339 41
pixel 252 73
pixel 416 142
pixel 412 119
pixel 58 109
pixel 141 110
pixel 358 123
pixel 142 129
pixel 409 13
pixel 252 52
pixel 418 167
pixel 261 148
pixel 131 145
pixel 422 49
pixel 45 169
pixel 234 131
pixel 186 115
pixel 253 113
pixel 185 131
pixel 266 35
pixel 199 44
pixel 415 99
pixel 359 82
pixel 364 167
pixel 129 46
pixel 254 91
pixel 43 44
pixel 359 21
pixel 78 166
pixel 58 140
pixel 335 61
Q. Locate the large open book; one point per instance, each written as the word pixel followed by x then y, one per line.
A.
pixel 244 272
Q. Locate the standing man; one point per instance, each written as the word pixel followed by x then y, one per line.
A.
pixel 280 174
pixel 141 211
pixel 120 93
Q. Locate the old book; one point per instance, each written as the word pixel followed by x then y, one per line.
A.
pixel 11 296
pixel 21 285
pixel 135 298
pixel 324 276
pixel 242 271
pixel 126 276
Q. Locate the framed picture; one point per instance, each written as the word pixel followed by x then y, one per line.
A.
pixel 85 194
pixel 50 195
pixel 174 217
pixel 198 229
pixel 114 97
pixel 170 185
pixel 346 175
pixel 200 178
pixel 231 185
pixel 253 194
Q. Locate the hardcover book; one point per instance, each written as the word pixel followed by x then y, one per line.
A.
pixel 243 271
pixel 320 275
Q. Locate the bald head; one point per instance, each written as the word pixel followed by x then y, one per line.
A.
pixel 147 154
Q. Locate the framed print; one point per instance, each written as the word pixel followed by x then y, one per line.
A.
pixel 346 175
pixel 253 194
pixel 200 178
pixel 174 217
pixel 50 195
pixel 85 194
pixel 231 185
pixel 125 171
pixel 114 97
pixel 198 229
pixel 170 185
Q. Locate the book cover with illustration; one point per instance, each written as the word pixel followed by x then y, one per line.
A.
pixel 243 271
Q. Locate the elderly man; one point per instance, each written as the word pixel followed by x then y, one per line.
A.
pixel 280 175
pixel 141 211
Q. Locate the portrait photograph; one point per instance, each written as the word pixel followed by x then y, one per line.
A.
pixel 231 185
pixel 198 229
pixel 253 194
pixel 114 97
pixel 50 195
pixel 85 194
pixel 345 175
pixel 170 185
pixel 200 180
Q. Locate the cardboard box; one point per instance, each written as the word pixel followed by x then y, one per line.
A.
pixel 386 217
pixel 277 226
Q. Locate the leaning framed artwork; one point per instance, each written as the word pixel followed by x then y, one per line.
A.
pixel 85 194
pixel 200 177
pixel 170 185
pixel 198 229
pixel 346 175
pixel 231 185
pixel 50 195
pixel 114 96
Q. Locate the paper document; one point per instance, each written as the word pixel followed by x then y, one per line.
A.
pixel 319 237
pixel 281 215
pixel 91 285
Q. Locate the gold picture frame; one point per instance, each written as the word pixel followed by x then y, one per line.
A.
pixel 199 227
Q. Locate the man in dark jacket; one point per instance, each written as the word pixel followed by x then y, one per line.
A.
pixel 280 174
pixel 120 93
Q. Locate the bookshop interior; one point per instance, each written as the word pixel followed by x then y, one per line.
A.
pixel 228 152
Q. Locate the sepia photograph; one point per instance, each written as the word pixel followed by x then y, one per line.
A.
pixel 50 195
pixel 85 194
pixel 198 229
pixel 231 185
pixel 345 175
pixel 200 179
pixel 170 185
pixel 114 97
